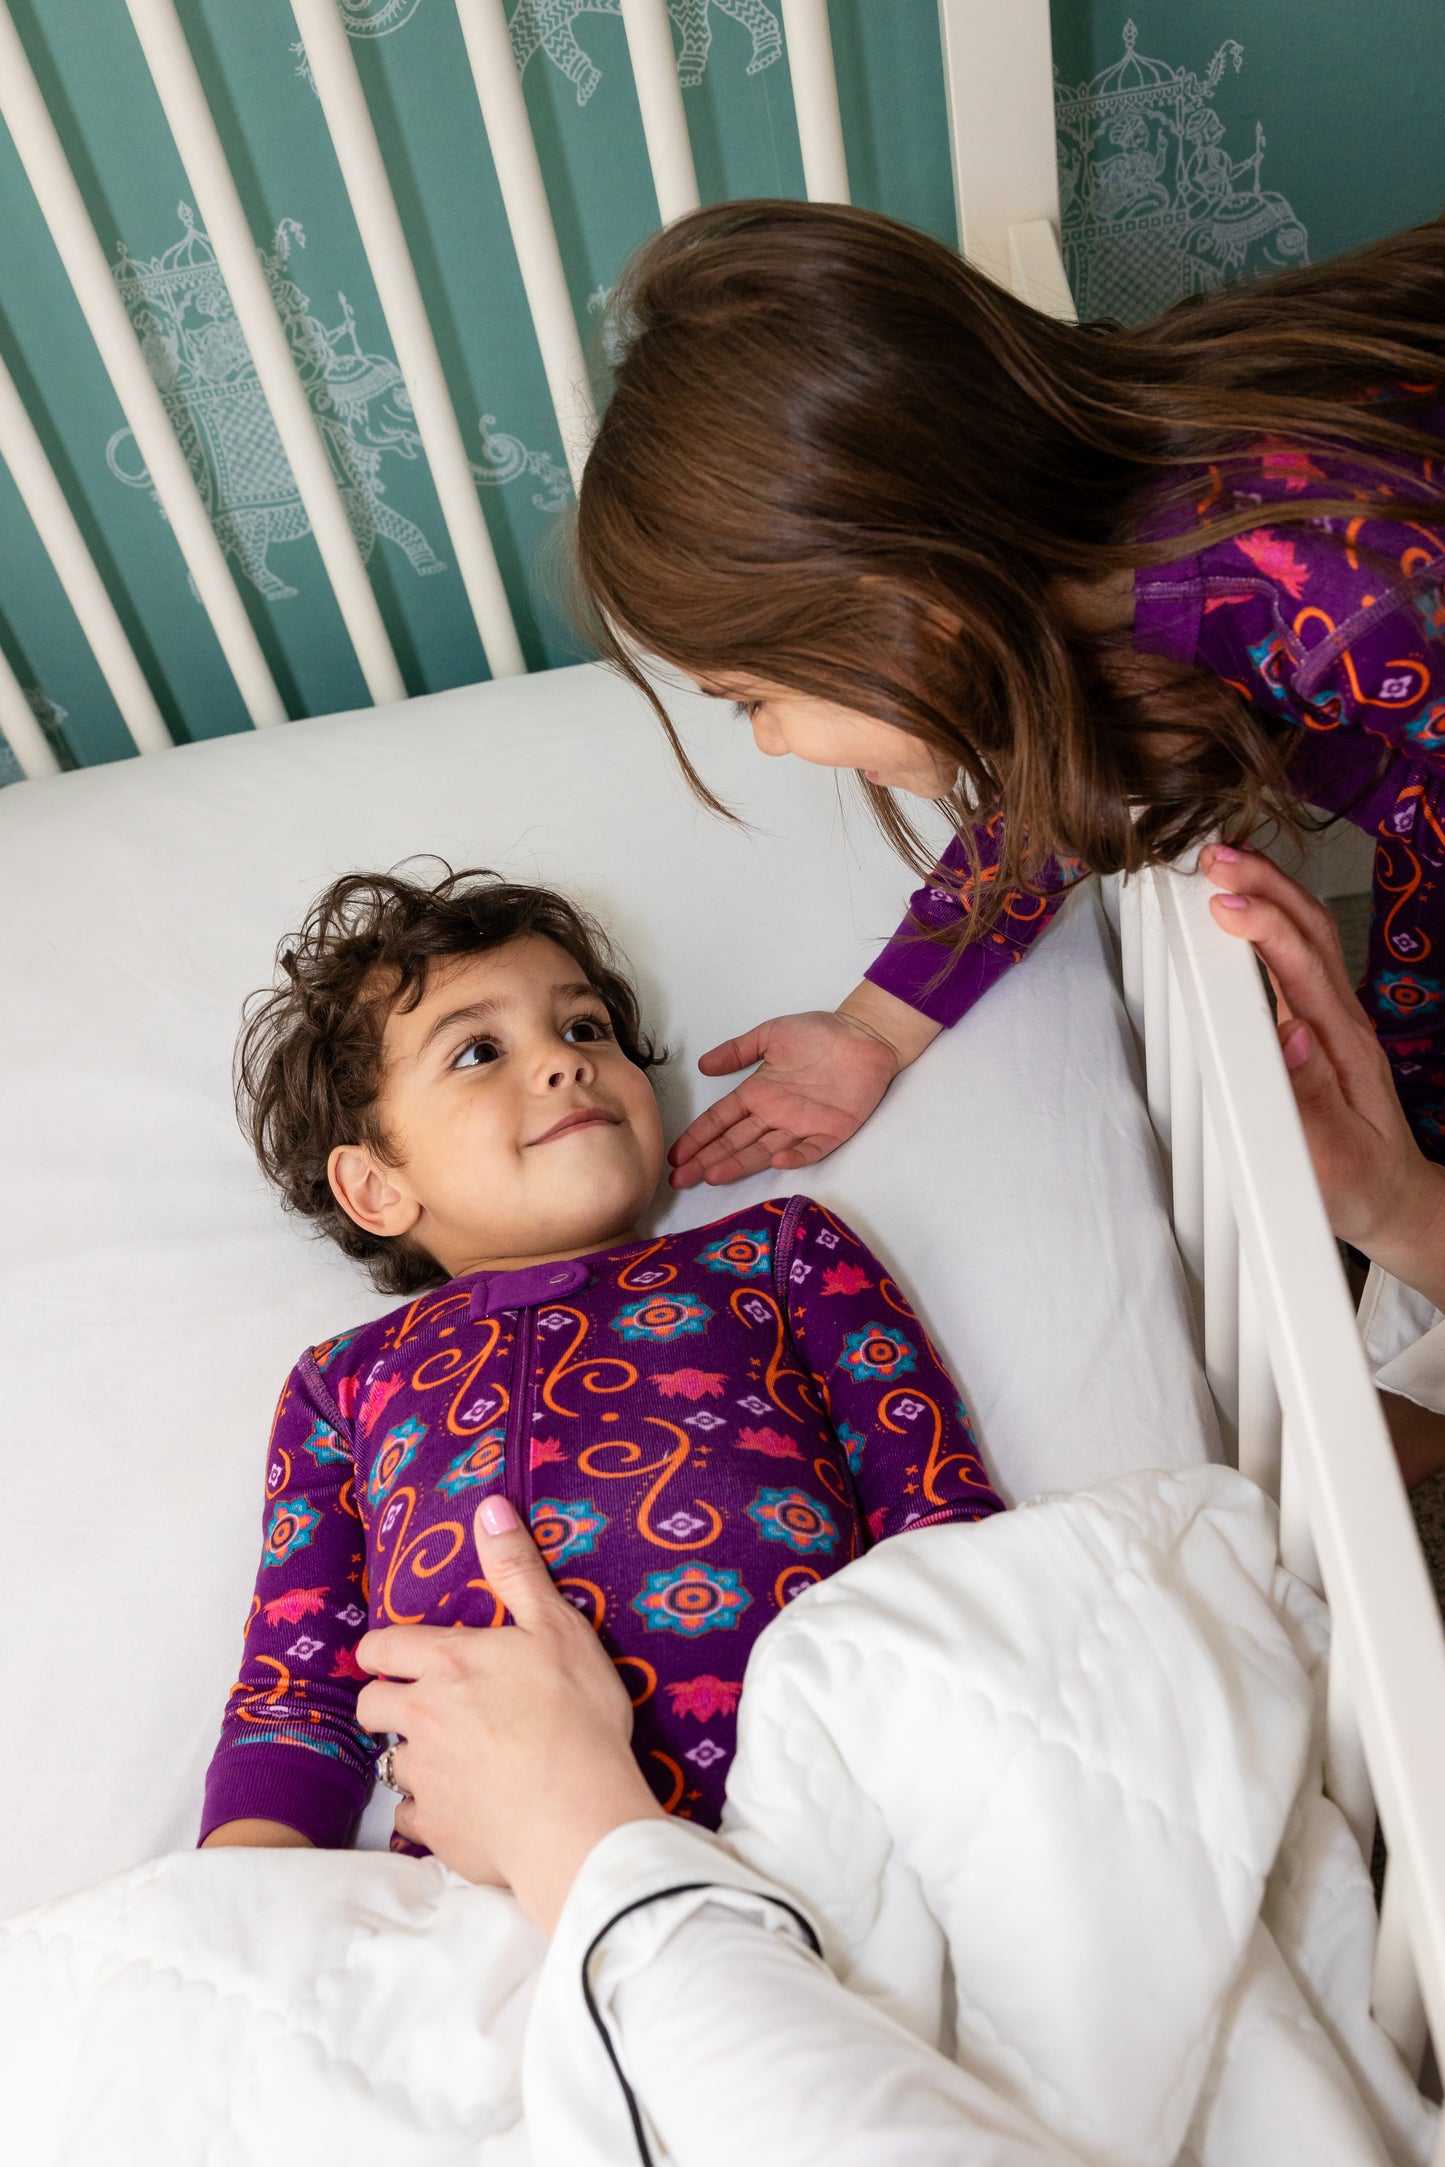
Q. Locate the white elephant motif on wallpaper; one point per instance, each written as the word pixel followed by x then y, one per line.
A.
pixel 203 369
pixel 376 18
pixel 547 25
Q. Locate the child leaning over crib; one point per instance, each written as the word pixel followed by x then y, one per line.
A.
pixel 452 1082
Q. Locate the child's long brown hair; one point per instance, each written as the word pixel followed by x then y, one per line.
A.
pixel 830 442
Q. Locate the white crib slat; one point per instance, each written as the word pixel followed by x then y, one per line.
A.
pixel 1036 269
pixel 63 208
pixel 1221 1292
pixel 529 215
pixel 1341 1497
pixel 190 120
pixel 1396 2000
pixel 1127 902
pixel 1347 1778
pixel 333 71
pixel 815 100
pixel 85 590
pixel 1259 1416
pixel 23 733
pixel 1186 1148
pixel 1296 1537
pixel 659 97
pixel 998 80
pixel 1155 952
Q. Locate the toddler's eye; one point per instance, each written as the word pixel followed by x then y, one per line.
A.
pixel 588 1031
pixel 478 1053
pixel 746 709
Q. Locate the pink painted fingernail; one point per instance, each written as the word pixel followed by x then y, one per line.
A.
pixel 498 1517
pixel 1222 850
pixel 1232 902
pixel 1297 1047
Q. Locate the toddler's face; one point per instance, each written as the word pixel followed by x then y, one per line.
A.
pixel 524 1132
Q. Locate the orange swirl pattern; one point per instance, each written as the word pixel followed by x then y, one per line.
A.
pixel 499 1614
pixel 1398 874
pixel 408 1555
pixel 657 1275
pixel 649 1678
pixel 591 1370
pixel 458 1367
pixel 896 1299
pixel 599 1463
pixel 424 1312
pixel 754 1309
pixel 791 1581
pixel 678 1780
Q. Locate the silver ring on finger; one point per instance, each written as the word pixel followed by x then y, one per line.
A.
pixel 386 1770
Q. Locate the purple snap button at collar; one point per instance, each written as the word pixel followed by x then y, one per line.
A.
pixel 527 1289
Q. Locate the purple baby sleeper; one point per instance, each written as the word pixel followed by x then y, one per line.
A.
pixel 695 1428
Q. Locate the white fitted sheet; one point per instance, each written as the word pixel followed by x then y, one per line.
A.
pixel 152 1297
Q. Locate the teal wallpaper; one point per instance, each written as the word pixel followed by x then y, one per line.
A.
pixel 1200 140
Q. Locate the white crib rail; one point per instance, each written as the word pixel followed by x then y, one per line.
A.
pixel 363 169
pixel 54 521
pixel 1284 1361
pixel 529 217
pixel 183 100
pixel 47 168
pixel 659 98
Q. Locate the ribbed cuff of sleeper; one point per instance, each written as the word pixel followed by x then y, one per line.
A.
pixel 940 982
pixel 961 1514
pixel 308 1791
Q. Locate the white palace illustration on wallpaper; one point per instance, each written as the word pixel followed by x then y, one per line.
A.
pixel 1154 207
pixel 202 367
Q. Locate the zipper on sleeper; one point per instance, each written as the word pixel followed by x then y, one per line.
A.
pixel 516 1472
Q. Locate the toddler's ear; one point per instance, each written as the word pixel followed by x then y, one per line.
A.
pixel 369 1192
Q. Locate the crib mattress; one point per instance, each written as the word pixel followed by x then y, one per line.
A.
pixel 152 1297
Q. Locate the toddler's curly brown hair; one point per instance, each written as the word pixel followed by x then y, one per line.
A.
pixel 309 1060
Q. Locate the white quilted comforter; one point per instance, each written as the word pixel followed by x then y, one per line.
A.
pixel 1049 1789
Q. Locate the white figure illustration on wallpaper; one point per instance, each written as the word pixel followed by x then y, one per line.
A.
pixel 363 19
pixel 1153 205
pixel 52 719
pixel 546 26
pixel 203 369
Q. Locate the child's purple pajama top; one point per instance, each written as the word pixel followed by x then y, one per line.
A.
pixel 1335 627
pixel 695 1428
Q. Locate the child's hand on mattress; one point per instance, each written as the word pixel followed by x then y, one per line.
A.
pixel 821 1076
pixel 1381 1193
pixel 516 1745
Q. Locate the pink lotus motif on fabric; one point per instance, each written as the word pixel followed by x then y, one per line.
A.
pixel 296 1604
pixel 1274 555
pixel 769 1441
pixel 704 1697
pixel 691 1384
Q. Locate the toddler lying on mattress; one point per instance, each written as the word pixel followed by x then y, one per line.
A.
pixel 452 1083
